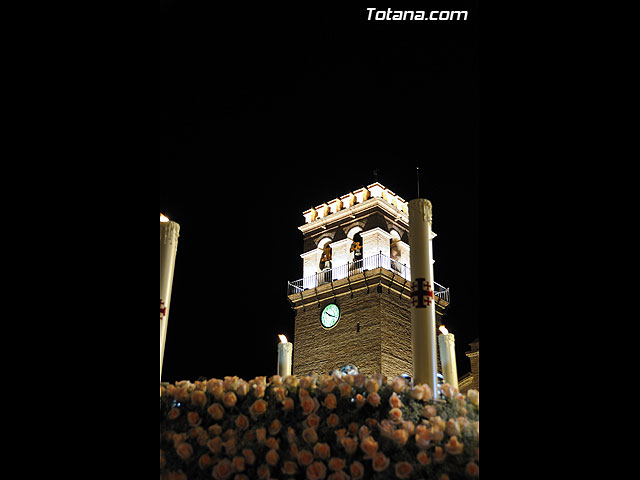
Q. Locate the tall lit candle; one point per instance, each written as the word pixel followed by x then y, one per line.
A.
pixel 447 344
pixel 423 309
pixel 285 351
pixel 169 232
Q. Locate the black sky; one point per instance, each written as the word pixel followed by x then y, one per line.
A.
pixel 265 112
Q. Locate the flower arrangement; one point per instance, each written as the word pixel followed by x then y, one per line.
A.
pixel 316 427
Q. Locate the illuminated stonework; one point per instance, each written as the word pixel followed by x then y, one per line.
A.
pixel 356 255
pixel 375 206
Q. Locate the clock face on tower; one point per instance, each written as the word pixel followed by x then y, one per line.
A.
pixel 330 315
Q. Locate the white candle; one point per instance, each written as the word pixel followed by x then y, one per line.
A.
pixel 169 232
pixel 423 309
pixel 447 344
pixel 285 350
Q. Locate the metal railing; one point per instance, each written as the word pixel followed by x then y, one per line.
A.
pixel 352 268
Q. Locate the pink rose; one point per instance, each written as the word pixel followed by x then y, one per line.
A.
pixel 316 471
pixel 307 404
pixel 279 392
pixel 423 458
pixel 198 398
pixel 243 388
pixel 403 470
pixel 369 446
pixel 261 434
pixel 305 457
pixel 292 438
pixel 272 457
pixel 472 469
pixel 264 473
pixel 398 384
pixel 229 399
pixel 242 422
pixel 345 389
pixel 439 455
pixel 287 404
pixel 222 470
pixel 258 408
pixel 386 428
pixel 275 427
pixel 373 399
pixel 215 445
pixel 291 381
pixel 258 390
pixel 380 462
pixel 215 388
pixel 184 450
pixel 363 432
pixel 339 475
pixel 395 416
pixel 357 470
pixel 400 437
pixel 216 410
pixel 333 420
pixel 330 401
pixel 336 464
pixel 321 451
pixel 289 467
pixel 194 419
pixel 230 383
pixel 349 444
pixel 448 390
pixel 394 401
pixel 309 435
pixel 249 456
pixel 238 464
pixel 204 461
pixel 312 421
pixel 423 437
pixel 429 411
pixel 421 392
pixel 371 385
pixel 452 427
pixel 273 442
pixel 453 446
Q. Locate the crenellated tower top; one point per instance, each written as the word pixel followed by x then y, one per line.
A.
pixel 352 199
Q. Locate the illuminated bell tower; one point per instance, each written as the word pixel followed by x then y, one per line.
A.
pixel 352 303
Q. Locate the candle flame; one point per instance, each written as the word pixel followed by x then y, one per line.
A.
pixel 283 339
pixel 163 218
pixel 444 330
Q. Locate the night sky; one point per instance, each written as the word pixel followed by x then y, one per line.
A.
pixel 267 111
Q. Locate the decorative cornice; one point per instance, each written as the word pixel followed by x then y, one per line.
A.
pixel 351 212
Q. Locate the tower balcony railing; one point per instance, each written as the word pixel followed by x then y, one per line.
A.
pixel 349 269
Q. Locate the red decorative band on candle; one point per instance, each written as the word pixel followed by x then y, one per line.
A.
pixel 421 297
pixel 163 309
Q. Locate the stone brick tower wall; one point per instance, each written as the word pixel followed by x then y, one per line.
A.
pixel 372 289
pixel 474 358
pixel 373 333
pixel 472 379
